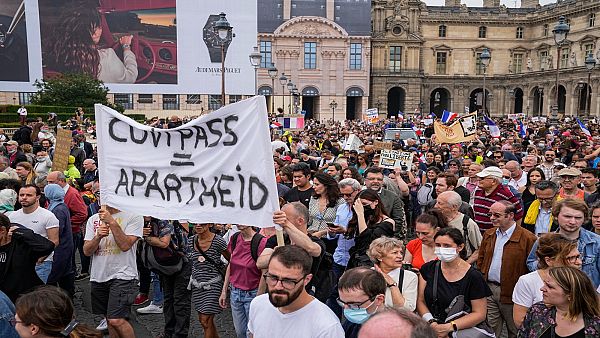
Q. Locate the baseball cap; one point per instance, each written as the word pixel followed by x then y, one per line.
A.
pixel 490 172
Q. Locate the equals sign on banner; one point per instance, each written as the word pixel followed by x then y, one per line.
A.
pixel 182 163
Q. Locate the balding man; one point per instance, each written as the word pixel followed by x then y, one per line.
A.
pixel 396 323
pixel 89 175
pixel 491 190
pixel 79 215
pixel 471 180
pixel 518 178
pixel 529 162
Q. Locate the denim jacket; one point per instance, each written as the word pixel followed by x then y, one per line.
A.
pixel 7 312
pixel 541 318
pixel 588 245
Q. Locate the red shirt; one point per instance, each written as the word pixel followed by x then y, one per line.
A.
pixel 415 247
pixel 482 204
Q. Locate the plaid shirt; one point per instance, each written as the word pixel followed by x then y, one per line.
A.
pixel 482 204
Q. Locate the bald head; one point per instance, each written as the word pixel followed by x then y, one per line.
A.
pixel 57 177
pixel 515 169
pixel 396 323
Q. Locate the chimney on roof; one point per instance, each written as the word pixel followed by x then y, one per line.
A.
pixel 491 3
pixel 530 3
pixel 452 3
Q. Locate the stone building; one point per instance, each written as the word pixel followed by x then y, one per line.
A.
pixel 427 57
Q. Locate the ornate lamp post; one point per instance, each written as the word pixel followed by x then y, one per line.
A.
pixel 290 87
pixel 560 31
pixel 255 58
pixel 283 81
pixel 590 64
pixel 273 75
pixel 223 29
pixel 485 58
pixel 333 105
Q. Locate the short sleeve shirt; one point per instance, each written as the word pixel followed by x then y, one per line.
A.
pixel 38 221
pixel 243 273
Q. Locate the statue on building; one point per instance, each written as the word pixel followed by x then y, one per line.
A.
pixel 550 62
pixel 529 65
pixel 573 59
pixel 510 67
pixel 598 54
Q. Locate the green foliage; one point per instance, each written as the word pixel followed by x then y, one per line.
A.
pixel 71 90
pixel 8 113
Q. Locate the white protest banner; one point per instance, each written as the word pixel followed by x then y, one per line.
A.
pixel 427 122
pixel 395 159
pixel 352 143
pixel 543 119
pixel 215 169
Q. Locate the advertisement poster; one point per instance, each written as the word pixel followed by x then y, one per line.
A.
pixel 139 46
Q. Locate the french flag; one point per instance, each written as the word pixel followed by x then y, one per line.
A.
pixel 293 122
pixel 522 129
pixel 584 129
pixel 494 130
pixel 448 116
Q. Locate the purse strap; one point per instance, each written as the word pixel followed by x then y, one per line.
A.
pixel 435 286
pixel 208 259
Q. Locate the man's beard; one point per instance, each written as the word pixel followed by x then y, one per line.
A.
pixel 279 302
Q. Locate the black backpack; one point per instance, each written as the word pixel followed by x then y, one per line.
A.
pixel 322 283
pixel 253 244
pixel 465 222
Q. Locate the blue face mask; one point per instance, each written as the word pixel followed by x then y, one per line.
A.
pixel 357 316
pixel 505 181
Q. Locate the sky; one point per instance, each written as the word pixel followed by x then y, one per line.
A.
pixel 479 3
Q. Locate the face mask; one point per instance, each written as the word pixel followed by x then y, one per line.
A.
pixel 445 254
pixel 44 130
pixel 369 212
pixel 12 151
pixel 357 316
pixel 41 158
pixel 505 181
pixel 81 145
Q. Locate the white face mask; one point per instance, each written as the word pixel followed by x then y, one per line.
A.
pixel 445 254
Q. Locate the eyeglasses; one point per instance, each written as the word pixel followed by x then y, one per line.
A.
pixel 347 195
pixel 547 199
pixel 13 321
pixel 573 259
pixel 568 178
pixel 285 282
pixel 497 156
pixel 506 177
pixel 353 305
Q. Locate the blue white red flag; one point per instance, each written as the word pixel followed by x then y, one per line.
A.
pixel 494 130
pixel 522 129
pixel 448 116
pixel 584 129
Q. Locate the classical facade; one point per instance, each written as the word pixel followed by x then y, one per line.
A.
pixel 427 57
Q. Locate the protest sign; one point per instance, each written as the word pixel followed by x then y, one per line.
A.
pixel 464 129
pixel 372 115
pixel 427 121
pixel 543 119
pixel 535 119
pixel 395 159
pixel 215 169
pixel 62 150
pixel 379 145
pixel 352 143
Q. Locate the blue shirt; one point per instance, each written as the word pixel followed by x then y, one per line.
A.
pixel 588 245
pixel 342 217
pixel 501 240
pixel 542 223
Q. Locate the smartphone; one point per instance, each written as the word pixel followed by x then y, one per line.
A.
pixel 331 225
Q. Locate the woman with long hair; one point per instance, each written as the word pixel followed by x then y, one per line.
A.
pixel 363 163
pixel 422 249
pixel 323 205
pixel 553 250
pixel 369 222
pixel 73 46
pixel 351 172
pixel 534 176
pixel 26 173
pixel 49 312
pixel 569 308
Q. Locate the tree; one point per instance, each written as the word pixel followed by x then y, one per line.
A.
pixel 72 90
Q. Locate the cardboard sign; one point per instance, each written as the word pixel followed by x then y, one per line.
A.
pixel 352 143
pixel 379 145
pixel 62 150
pixel 395 159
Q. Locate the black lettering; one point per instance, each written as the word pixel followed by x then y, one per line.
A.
pixel 242 181
pixel 192 180
pixel 216 132
pixel 185 134
pixel 175 188
pixel 153 185
pixel 132 135
pixel 123 181
pixel 223 192
pixel 155 137
pixel 200 135
pixel 252 182
pixel 111 130
pixel 135 182
pixel 209 193
pixel 230 132
pixel 168 139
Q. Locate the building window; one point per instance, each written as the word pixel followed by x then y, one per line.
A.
pixel 519 33
pixel 193 99
pixel 265 52
pixel 25 98
pixel 356 56
pixel 564 57
pixel 235 98
pixel 478 64
pixel 442 31
pixel 145 98
pixel 125 100
pixel 310 55
pixel 170 102
pixel 214 102
pixel 545 33
pixel 544 60
pixel 395 59
pixel 440 65
pixel 482 32
pixel 589 49
pixel 592 20
pixel 518 63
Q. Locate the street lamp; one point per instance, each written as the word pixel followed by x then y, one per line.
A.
pixel 590 64
pixel 290 87
pixel 283 81
pixel 511 94
pixel 485 58
pixel 272 74
pixel 223 29
pixel 295 96
pixel 333 105
pixel 540 100
pixel 255 58
pixel 560 31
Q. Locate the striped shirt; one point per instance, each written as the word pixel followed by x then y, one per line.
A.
pixel 482 204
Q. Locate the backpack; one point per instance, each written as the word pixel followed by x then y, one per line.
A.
pixel 167 261
pixel 322 283
pixel 465 222
pixel 425 194
pixel 253 244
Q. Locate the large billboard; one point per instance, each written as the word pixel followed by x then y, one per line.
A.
pixel 14 59
pixel 136 46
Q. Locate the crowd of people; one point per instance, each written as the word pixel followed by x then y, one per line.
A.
pixel 500 234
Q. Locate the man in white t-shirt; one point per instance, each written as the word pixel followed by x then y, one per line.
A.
pixel 22 115
pixel 287 309
pixel 39 220
pixel 110 238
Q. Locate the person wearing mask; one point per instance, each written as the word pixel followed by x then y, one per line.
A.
pixel 570 307
pixel 78 154
pixel 362 294
pixel 553 250
pixel 43 164
pixel 502 258
pixel 454 277
pixel 46 134
pixel 15 156
pixel 387 256
pixel 538 216
pixel 570 215
pixel 422 249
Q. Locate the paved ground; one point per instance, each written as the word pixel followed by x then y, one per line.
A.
pixel 146 326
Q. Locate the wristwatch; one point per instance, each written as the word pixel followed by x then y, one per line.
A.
pixel 431 321
pixel 212 40
pixel 454 326
pixel 392 285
